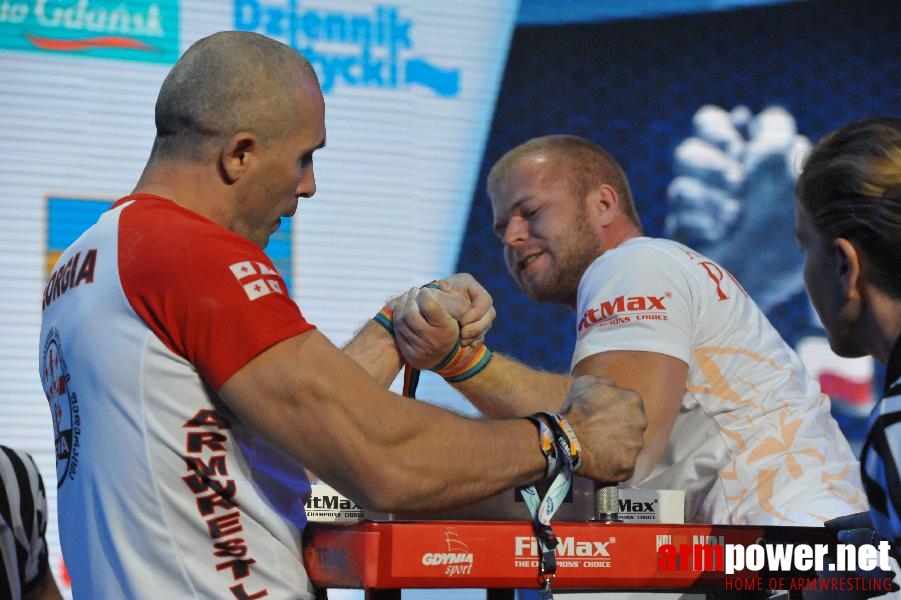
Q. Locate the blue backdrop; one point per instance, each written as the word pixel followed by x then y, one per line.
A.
pixel 633 86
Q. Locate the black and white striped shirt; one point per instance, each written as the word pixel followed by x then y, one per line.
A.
pixel 23 521
pixel 880 458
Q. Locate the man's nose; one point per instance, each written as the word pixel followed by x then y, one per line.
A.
pixel 307 185
pixel 516 231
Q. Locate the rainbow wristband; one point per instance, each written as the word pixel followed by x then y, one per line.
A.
pixel 457 366
pixel 385 318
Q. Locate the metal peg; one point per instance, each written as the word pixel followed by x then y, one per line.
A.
pixel 606 503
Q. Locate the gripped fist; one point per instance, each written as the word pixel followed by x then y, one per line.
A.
pixel 609 423
pixel 476 321
pixel 428 322
pixel 426 328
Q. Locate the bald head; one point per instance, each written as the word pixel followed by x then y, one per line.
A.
pixel 587 165
pixel 225 83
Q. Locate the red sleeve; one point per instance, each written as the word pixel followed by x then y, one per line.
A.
pixel 210 295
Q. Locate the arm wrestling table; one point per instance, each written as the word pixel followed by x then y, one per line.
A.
pixel 502 556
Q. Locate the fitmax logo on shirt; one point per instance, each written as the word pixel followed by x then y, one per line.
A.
pixel 372 50
pixel 623 309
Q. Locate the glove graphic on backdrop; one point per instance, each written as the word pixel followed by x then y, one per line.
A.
pixel 733 197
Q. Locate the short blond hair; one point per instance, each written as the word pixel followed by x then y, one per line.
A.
pixel 590 166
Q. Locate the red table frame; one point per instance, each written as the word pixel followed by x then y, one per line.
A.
pixel 501 556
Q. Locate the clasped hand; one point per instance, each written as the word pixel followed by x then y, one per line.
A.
pixel 428 322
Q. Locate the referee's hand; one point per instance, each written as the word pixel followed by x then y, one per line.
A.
pixel 856 529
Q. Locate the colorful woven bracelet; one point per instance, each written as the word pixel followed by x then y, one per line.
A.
pixel 449 360
pixel 385 318
pixel 461 367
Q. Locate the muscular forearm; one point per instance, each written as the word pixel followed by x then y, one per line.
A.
pixel 377 350
pixel 374 349
pixel 401 455
pixel 443 461
pixel 661 393
pixel 507 388
pixel 386 452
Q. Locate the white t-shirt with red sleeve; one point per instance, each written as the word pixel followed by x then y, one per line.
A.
pixel 163 493
pixel 754 441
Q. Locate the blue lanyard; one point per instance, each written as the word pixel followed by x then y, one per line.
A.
pixel 560 447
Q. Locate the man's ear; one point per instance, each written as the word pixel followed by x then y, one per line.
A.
pixel 236 155
pixel 604 202
pixel 849 267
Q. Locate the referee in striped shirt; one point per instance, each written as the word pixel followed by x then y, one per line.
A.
pixel 24 569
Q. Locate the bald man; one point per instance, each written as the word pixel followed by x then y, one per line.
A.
pixel 188 391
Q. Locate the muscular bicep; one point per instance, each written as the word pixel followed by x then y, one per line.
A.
pixel 659 379
pixel 309 399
